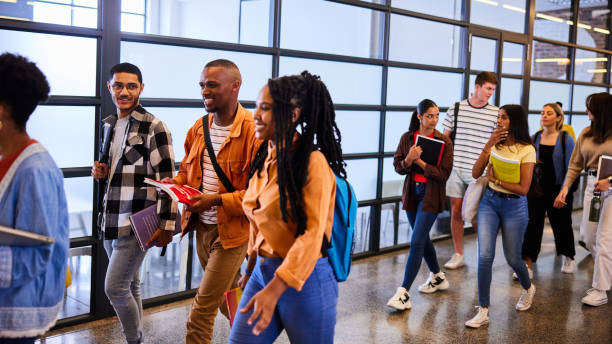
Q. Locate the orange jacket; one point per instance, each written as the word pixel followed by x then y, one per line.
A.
pixel 234 157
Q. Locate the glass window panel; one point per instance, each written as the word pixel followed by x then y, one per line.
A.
pixel 88 3
pixel 343 90
pixel 79 195
pixel 593 23
pixel 441 87
pixel 392 181
pixel 362 229
pixel 132 23
pixel 506 15
pixel 49 54
pixel 234 21
pixel 580 95
pixel 362 174
pixel 541 92
pixel 511 91
pixel 78 294
pixel 550 61
pixel 483 54
pixel 353 125
pixel 133 6
pixel 513 58
pixel 553 19
pixel 579 122
pixel 387 224
pixel 535 122
pixel 590 66
pixel 85 17
pixel 161 275
pixel 340 29
pixel 47 121
pixel 51 13
pixel 178 121
pixel 181 81
pixel 472 85
pixel 404 231
pixel 441 8
pixel 445 37
pixel 396 124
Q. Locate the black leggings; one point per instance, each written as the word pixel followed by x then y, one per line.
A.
pixel 560 221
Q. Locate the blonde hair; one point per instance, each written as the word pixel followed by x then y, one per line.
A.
pixel 559 111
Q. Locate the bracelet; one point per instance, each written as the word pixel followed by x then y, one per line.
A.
pixel 498 182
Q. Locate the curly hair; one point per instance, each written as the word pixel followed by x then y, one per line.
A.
pixel 22 87
pixel 316 123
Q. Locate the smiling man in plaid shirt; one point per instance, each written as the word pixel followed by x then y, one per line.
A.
pixel 141 146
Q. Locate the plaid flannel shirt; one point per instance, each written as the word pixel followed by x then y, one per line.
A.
pixel 148 153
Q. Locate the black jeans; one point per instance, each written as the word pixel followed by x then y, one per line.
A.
pixel 18 340
pixel 560 221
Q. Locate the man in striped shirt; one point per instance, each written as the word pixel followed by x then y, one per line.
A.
pixel 476 120
pixel 221 229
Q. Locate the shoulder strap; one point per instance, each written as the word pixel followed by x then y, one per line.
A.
pixel 213 159
pixel 456 113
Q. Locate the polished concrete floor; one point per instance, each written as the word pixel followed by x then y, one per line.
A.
pixel 557 315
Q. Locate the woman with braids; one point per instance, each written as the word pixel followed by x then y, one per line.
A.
pixel 290 205
pixel 504 206
pixel 423 197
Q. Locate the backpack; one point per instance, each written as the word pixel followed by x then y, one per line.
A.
pixel 340 249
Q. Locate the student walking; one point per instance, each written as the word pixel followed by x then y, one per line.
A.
pixel 594 141
pixel 504 206
pixel 290 205
pixel 423 198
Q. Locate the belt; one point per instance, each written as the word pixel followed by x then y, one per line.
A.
pixel 592 172
pixel 502 194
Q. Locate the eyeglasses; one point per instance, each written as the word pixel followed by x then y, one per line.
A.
pixel 117 86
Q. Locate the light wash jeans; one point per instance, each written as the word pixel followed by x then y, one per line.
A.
pixel 512 215
pixel 122 284
pixel 420 244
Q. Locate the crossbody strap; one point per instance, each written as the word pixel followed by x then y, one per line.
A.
pixel 454 133
pixel 213 159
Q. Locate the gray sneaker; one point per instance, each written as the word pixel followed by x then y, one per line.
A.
pixel 524 302
pixel 455 262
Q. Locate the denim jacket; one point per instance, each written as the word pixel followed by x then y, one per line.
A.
pixel 32 278
pixel 559 164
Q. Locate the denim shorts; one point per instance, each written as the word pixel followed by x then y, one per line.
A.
pixel 458 182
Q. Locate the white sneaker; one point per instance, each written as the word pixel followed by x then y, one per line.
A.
pixel 569 265
pixel 434 282
pixel 529 270
pixel 481 318
pixel 524 302
pixel 401 300
pixel 595 297
pixel 455 262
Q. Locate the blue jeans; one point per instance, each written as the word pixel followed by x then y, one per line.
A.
pixel 122 284
pixel 512 215
pixel 420 243
pixel 308 316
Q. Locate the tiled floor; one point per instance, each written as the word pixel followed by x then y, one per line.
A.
pixel 557 316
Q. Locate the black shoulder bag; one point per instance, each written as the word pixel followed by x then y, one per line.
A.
pixel 454 133
pixel 213 159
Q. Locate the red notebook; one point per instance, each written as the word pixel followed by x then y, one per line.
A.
pixel 232 298
pixel 179 193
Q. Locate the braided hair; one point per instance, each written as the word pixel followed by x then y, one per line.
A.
pixel 317 125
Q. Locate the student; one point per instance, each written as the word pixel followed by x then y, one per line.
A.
pixel 555 158
pixel 140 147
pixel 475 121
pixel 504 205
pixel 594 141
pixel 423 197
pixel 222 231
pixel 290 205
pixel 31 199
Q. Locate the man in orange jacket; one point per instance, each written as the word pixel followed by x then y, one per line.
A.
pixel 222 230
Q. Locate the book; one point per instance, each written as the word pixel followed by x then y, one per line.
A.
pixel 604 167
pixel 18 237
pixel 506 170
pixel 432 151
pixel 145 223
pixel 232 299
pixel 178 193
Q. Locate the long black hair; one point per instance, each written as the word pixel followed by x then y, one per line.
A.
pixel 317 123
pixel 519 127
pixel 422 107
pixel 600 105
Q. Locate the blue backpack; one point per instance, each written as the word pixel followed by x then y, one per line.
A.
pixel 340 249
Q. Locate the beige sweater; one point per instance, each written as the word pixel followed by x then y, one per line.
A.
pixel 586 156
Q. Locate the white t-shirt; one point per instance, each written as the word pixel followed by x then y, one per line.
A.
pixel 210 182
pixel 117 143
